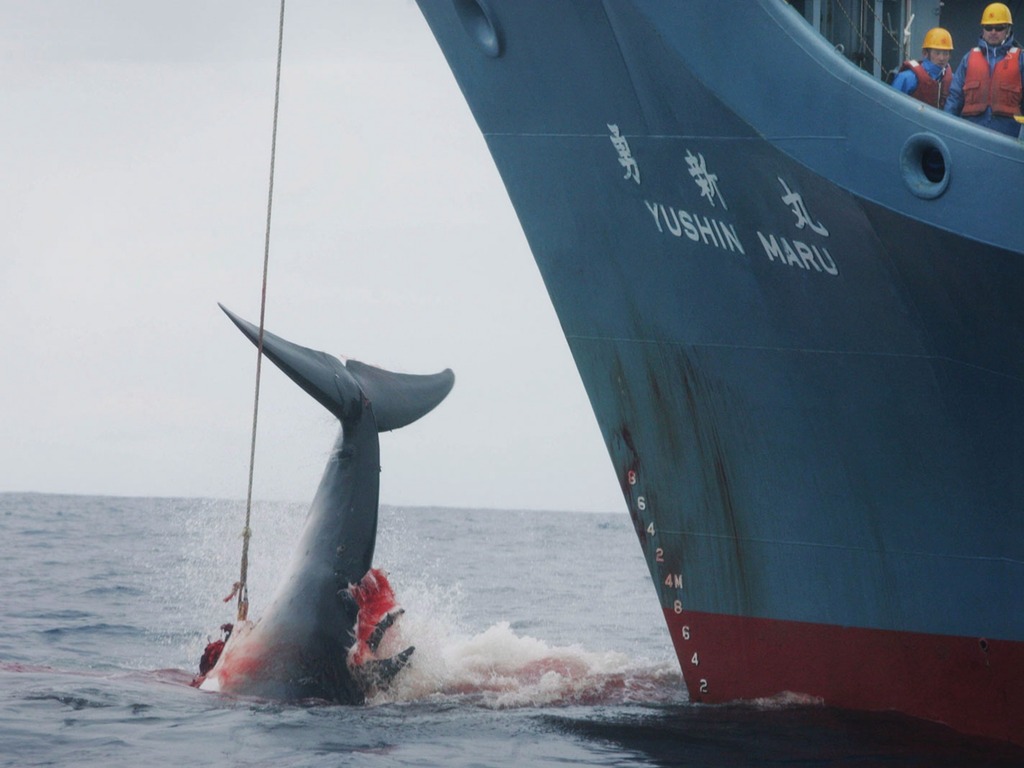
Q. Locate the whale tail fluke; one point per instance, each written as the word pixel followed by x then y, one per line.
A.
pixel 398 399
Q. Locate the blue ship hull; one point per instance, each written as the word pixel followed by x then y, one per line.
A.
pixel 796 300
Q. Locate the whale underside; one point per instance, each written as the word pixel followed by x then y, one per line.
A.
pixel 320 637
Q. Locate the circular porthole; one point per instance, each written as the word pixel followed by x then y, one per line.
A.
pixel 925 166
pixel 479 24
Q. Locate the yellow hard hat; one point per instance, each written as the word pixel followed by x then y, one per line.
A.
pixel 938 39
pixel 996 13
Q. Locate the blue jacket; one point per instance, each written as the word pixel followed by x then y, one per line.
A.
pixel 955 102
pixel 906 80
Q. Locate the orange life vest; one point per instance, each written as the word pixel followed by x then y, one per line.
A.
pixel 929 90
pixel 1001 89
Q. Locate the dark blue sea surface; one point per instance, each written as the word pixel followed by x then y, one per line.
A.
pixel 538 638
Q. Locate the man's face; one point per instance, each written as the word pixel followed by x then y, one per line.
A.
pixel 995 34
pixel 935 56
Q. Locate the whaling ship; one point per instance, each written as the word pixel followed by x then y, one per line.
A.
pixel 795 297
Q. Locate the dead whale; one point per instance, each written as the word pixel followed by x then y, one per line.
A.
pixel 320 636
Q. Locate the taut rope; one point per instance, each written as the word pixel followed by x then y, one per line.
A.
pixel 241 587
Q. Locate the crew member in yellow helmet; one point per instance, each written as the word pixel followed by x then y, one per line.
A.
pixel 929 79
pixel 988 86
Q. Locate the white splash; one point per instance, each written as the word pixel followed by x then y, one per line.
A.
pixel 498 668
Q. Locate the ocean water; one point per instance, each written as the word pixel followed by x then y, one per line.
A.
pixel 538 642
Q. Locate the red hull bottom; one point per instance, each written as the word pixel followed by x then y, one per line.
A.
pixel 974 685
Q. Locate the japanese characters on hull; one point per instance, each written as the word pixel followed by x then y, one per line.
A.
pixel 715 231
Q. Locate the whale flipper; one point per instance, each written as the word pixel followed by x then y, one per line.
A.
pixel 378 675
pixel 382 626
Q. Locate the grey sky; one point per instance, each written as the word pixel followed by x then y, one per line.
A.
pixel 135 149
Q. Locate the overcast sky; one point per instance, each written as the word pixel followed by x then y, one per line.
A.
pixel 135 145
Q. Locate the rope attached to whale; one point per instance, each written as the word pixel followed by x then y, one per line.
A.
pixel 240 587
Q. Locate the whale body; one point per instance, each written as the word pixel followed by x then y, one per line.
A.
pixel 320 635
